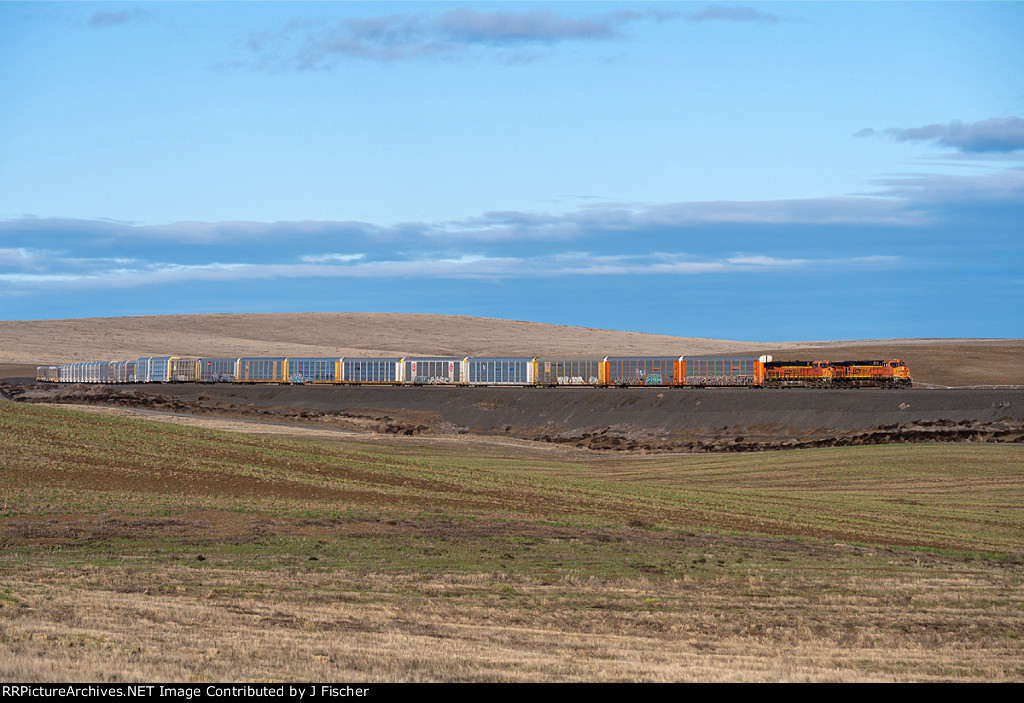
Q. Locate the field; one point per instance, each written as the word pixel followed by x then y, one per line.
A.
pixel 192 554
pixel 194 534
pixel 950 362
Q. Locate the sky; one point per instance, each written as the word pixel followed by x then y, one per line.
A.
pixel 754 171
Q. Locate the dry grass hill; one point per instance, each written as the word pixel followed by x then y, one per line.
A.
pixel 38 342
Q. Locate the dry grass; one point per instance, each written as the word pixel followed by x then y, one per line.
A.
pixel 321 334
pixel 38 342
pixel 186 624
pixel 101 577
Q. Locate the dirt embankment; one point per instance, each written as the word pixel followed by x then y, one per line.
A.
pixel 637 419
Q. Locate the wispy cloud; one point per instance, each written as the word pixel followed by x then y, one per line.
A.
pixel 733 13
pixel 134 273
pixel 907 200
pixel 451 36
pixel 878 209
pixel 489 228
pixel 102 20
pixel 995 135
pixel 24 258
pixel 324 258
pixel 931 192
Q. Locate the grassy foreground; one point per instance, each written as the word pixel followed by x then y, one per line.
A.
pixel 140 550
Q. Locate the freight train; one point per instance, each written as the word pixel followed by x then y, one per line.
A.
pixel 536 371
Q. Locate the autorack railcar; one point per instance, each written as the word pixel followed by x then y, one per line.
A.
pixel 704 371
pixel 313 370
pixel 500 371
pixel 569 371
pixel 626 371
pixel 254 369
pixel 216 369
pixel 369 370
pixel 433 370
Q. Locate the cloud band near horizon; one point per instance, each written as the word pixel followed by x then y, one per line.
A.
pixel 995 135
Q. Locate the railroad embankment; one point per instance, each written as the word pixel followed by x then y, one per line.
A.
pixel 635 419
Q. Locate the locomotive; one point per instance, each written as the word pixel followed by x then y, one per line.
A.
pixel 889 373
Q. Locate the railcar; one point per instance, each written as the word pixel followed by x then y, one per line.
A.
pixel 254 369
pixel 216 369
pixel 432 370
pixel 48 374
pixel 154 369
pixel 86 372
pixel 183 370
pixel 625 371
pixel 369 370
pixel 704 371
pixel 119 371
pixel 569 371
pixel 500 371
pixel 141 370
pixel 313 370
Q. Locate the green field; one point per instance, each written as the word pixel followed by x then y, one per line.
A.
pixel 953 497
pixel 139 550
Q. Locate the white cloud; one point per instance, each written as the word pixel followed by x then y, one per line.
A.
pixel 765 261
pixel 468 266
pixel 323 258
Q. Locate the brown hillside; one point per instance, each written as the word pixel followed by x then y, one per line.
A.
pixel 324 334
pixel 940 361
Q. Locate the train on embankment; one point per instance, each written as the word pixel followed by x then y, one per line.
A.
pixel 535 371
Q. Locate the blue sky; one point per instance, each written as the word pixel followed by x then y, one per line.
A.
pixel 762 171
